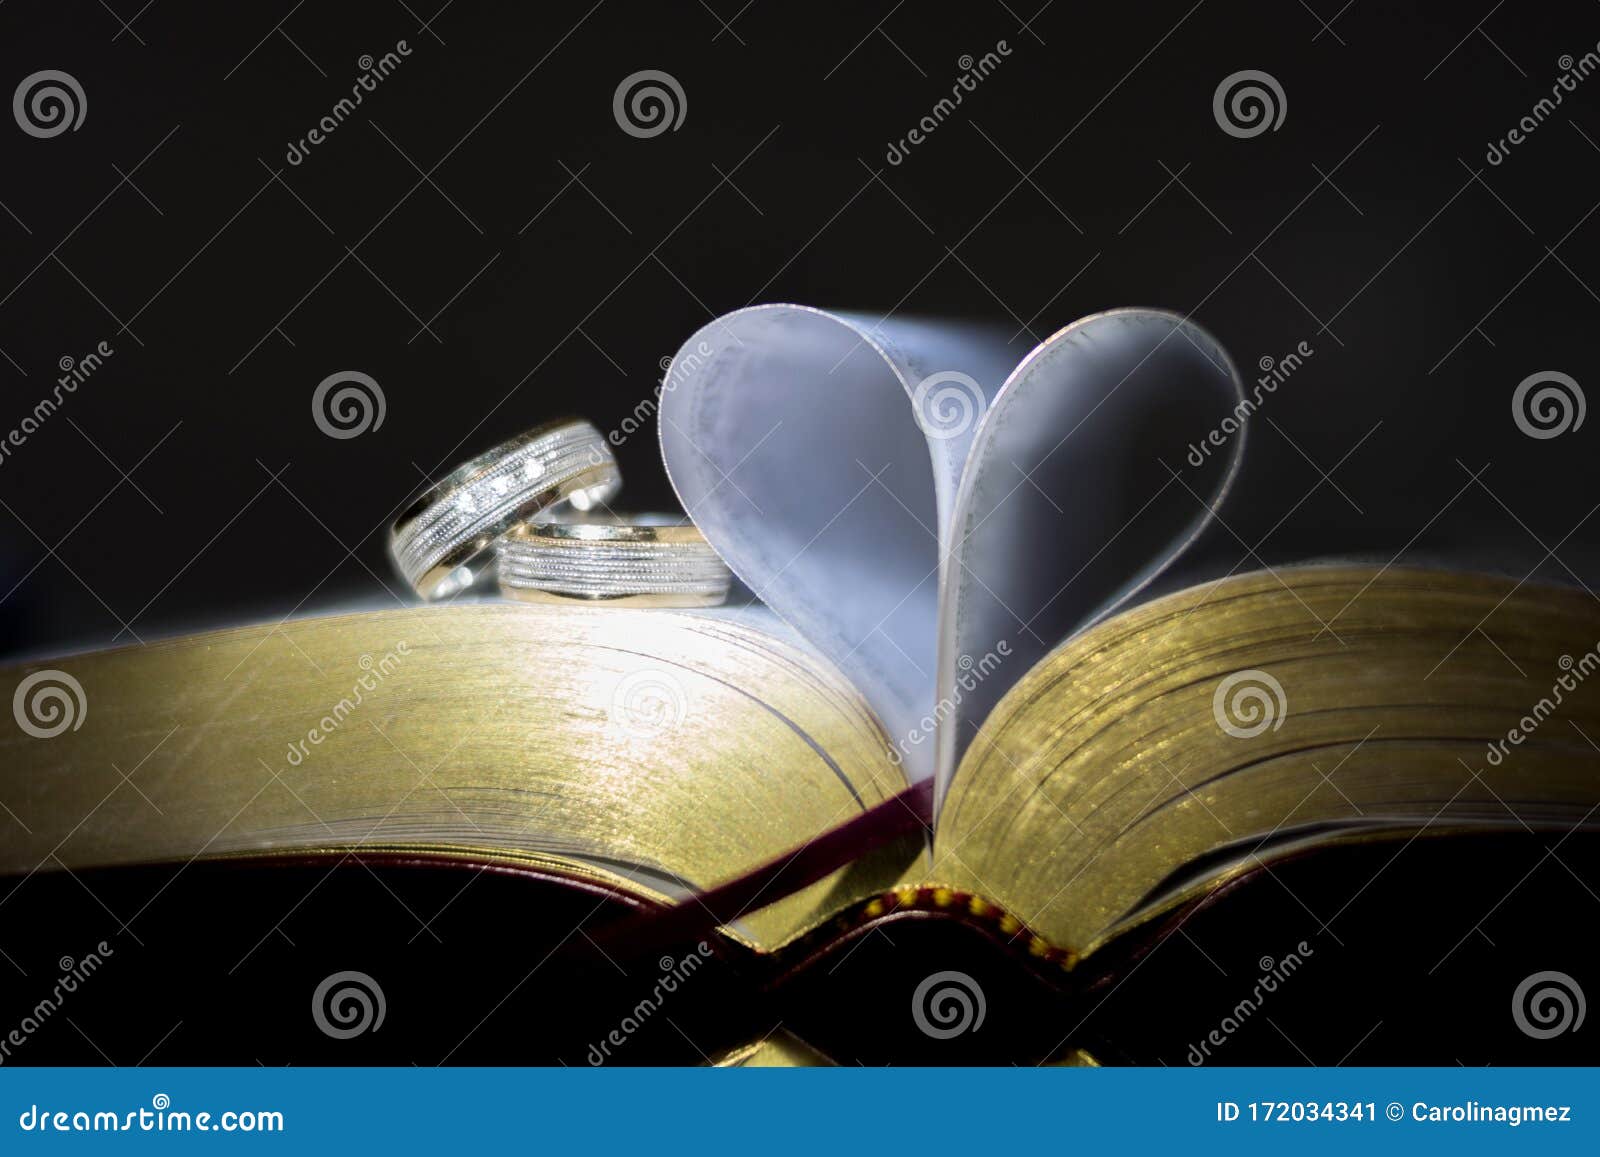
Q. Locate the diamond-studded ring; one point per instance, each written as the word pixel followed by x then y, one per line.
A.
pixel 441 542
pixel 639 560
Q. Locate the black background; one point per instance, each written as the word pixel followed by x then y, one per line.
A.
pixel 511 971
pixel 486 190
pixel 484 240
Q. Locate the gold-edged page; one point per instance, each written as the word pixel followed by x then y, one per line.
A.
pixel 781 1050
pixel 663 750
pixel 1262 713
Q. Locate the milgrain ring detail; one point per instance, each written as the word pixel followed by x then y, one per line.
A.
pixel 625 560
pixel 441 542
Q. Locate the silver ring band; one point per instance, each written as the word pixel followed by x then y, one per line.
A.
pixel 440 541
pixel 629 560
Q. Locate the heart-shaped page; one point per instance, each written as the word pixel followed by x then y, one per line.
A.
pixel 1082 485
pixel 874 483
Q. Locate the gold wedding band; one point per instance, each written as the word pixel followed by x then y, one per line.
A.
pixel 441 542
pixel 653 560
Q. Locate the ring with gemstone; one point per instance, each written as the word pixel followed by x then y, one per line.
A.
pixel 653 560
pixel 442 541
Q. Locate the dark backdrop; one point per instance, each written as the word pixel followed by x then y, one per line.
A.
pixel 482 238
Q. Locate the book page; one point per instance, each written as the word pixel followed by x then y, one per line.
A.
pixel 1079 492
pixel 931 515
pixel 820 454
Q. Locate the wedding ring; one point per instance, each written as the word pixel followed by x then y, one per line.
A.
pixel 440 542
pixel 651 560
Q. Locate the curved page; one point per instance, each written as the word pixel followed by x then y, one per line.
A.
pixel 820 455
pixel 1078 493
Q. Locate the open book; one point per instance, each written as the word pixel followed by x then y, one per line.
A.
pixel 967 575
